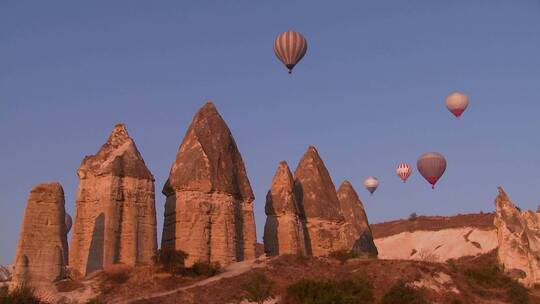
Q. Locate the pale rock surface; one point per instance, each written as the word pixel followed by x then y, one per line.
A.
pixel 518 234
pixel 41 254
pixel 115 219
pixel 360 235
pixel 284 230
pixel 5 274
pixel 437 246
pixel 325 226
pixel 209 206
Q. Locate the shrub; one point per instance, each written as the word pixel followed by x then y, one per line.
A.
pixel 400 293
pixel 259 288
pixel 170 260
pixel 452 265
pixel 117 274
pixel 428 256
pixel 343 255
pixel 488 276
pixel 413 216
pixel 205 268
pixel 346 291
pixel 20 295
pixel 492 276
pixel 517 293
pixel 96 300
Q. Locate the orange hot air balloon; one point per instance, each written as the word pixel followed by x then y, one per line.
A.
pixel 290 47
pixel 404 170
pixel 371 183
pixel 456 103
pixel 432 166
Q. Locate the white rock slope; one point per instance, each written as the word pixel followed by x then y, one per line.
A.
pixel 438 245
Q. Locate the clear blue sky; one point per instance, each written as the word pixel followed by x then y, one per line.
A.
pixel 369 94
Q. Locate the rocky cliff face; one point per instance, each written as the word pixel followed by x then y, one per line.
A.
pixel 519 240
pixel 115 219
pixel 209 206
pixel 355 215
pixel 5 274
pixel 284 229
pixel 41 254
pixel 319 206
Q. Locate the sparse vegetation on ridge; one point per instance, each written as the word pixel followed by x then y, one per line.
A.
pixel 344 255
pixel 400 293
pixel 19 295
pixel 344 291
pixel 170 260
pixel 259 288
pixel 206 269
pixel 492 276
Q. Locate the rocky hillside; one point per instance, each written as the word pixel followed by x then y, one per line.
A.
pixel 436 238
pixel 292 278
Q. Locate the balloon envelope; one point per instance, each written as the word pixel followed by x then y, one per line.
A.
pixel 456 103
pixel 371 183
pixel 290 47
pixel 432 166
pixel 403 170
pixel 69 223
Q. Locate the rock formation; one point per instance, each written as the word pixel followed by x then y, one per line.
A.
pixel 519 240
pixel 319 206
pixel 353 210
pixel 209 206
pixel 5 274
pixel 115 219
pixel 41 254
pixel 283 231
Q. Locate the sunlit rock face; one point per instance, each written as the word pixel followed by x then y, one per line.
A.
pixel 518 233
pixel 284 229
pixel 209 205
pixel 359 233
pixel 325 226
pixel 42 249
pixel 115 219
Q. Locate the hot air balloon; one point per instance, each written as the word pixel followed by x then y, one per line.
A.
pixel 290 47
pixel 68 222
pixel 432 166
pixel 404 170
pixel 371 183
pixel 456 103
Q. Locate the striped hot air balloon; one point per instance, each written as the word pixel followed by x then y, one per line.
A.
pixel 403 170
pixel 371 183
pixel 456 103
pixel 432 166
pixel 290 47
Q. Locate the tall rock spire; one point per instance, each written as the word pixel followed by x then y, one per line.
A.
pixel 115 219
pixel 42 249
pixel 209 206
pixel 319 206
pixel 283 231
pixel 518 233
pixel 360 235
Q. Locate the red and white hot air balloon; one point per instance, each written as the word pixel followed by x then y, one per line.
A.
pixel 432 166
pixel 404 170
pixel 290 47
pixel 371 183
pixel 456 103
